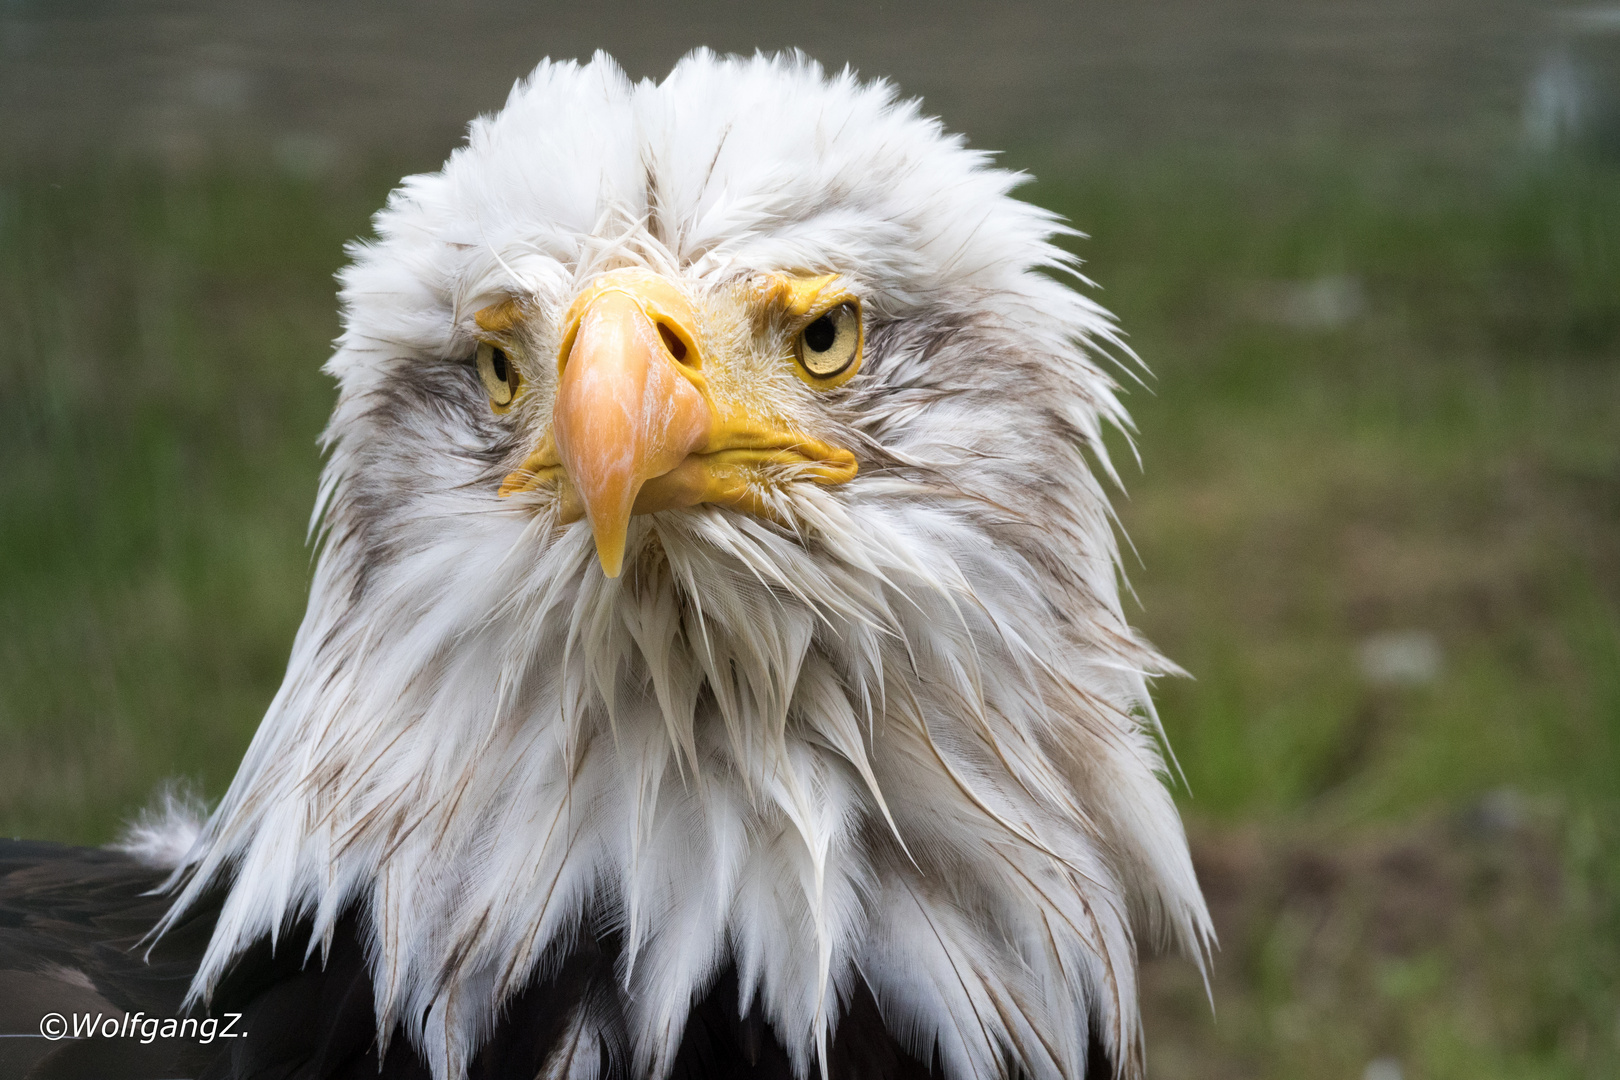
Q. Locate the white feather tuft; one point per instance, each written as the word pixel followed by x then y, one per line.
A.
pixel 163 834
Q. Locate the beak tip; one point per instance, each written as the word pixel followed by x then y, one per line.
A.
pixel 610 551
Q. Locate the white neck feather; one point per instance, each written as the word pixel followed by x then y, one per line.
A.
pixel 740 750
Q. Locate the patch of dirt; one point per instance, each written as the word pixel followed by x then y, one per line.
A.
pixel 1336 950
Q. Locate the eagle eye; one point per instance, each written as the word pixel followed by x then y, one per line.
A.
pixel 829 345
pixel 498 374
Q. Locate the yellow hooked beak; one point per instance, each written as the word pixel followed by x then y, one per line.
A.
pixel 635 428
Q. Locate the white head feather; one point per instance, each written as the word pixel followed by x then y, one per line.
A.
pixel 904 738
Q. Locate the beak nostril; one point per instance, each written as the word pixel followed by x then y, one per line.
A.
pixel 672 342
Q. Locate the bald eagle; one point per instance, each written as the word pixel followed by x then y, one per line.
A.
pixel 715 663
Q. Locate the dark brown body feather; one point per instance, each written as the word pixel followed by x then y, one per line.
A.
pixel 72 923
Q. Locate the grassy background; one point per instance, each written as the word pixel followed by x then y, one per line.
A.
pixel 1424 874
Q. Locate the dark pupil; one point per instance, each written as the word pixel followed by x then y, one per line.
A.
pixel 820 334
pixel 497 360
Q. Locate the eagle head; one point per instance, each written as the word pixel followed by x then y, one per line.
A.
pixel 711 567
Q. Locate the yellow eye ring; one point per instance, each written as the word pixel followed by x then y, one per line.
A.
pixel 829 347
pixel 498 374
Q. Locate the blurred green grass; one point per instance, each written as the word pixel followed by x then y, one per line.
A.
pixel 1388 403
pixel 1386 399
pixel 161 401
